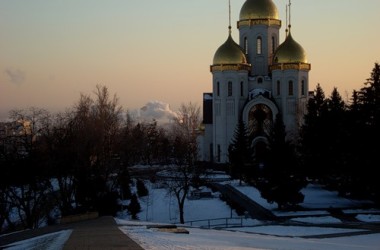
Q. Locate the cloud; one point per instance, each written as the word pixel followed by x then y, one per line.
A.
pixel 16 76
pixel 158 111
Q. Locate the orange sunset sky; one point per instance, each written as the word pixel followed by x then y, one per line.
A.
pixel 144 50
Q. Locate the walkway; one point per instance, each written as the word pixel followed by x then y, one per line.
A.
pixel 99 233
pixel 255 210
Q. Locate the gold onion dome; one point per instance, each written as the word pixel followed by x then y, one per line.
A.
pixel 229 53
pixel 258 9
pixel 289 52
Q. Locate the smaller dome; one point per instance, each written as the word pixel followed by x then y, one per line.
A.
pixel 258 9
pixel 229 53
pixel 290 52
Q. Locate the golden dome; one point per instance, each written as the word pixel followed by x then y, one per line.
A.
pixel 258 9
pixel 289 52
pixel 229 53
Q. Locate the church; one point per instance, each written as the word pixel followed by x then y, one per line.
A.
pixel 253 81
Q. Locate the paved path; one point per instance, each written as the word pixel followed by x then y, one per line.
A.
pixel 99 233
pixel 255 210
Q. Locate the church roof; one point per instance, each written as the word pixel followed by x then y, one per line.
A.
pixel 229 53
pixel 289 51
pixel 258 9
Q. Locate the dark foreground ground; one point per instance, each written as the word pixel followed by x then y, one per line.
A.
pixel 99 233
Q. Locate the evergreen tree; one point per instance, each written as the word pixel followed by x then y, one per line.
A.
pixel 141 189
pixel 134 207
pixel 282 178
pixel 334 133
pixel 312 135
pixel 365 123
pixel 240 153
pixel 124 181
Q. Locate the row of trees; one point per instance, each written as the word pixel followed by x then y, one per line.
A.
pixel 77 161
pixel 340 141
pixel 338 148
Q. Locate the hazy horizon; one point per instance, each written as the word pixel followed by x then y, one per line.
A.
pixel 52 51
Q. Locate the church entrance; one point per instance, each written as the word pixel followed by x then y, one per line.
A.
pixel 260 120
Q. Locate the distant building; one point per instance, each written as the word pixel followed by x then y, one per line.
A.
pixel 14 137
pixel 254 81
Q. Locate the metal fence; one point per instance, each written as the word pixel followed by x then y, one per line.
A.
pixel 241 221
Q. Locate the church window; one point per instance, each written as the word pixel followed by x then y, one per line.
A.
pixel 303 87
pixel 290 88
pixel 260 120
pixel 273 44
pixel 241 89
pixel 278 88
pixel 259 46
pixel 259 80
pixel 217 88
pixel 229 88
pixel 218 153
pixel 245 45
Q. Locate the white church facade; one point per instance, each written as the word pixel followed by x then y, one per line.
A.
pixel 254 81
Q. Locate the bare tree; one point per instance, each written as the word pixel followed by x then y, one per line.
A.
pixel 186 126
pixel 28 187
pixel 95 126
pixel 185 151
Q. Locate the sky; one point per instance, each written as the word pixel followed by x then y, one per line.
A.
pixel 144 51
pixel 159 208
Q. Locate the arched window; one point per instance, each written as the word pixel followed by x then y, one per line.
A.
pixel 260 120
pixel 290 88
pixel 278 88
pixel 303 87
pixel 241 89
pixel 218 153
pixel 217 89
pixel 229 88
pixel 245 45
pixel 273 44
pixel 259 48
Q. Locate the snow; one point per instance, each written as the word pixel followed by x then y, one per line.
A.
pixel 51 241
pixel 159 209
pixel 211 239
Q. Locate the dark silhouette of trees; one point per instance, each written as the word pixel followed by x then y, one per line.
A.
pixel 335 135
pixel 141 188
pixel 79 160
pixel 240 153
pixel 363 126
pixel 26 184
pixel 325 138
pixel 95 124
pixel 312 135
pixel 339 141
pixel 281 177
pixel 134 207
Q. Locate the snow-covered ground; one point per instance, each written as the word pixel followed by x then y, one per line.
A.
pixel 253 234
pixel 51 241
pixel 160 208
pixel 262 237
